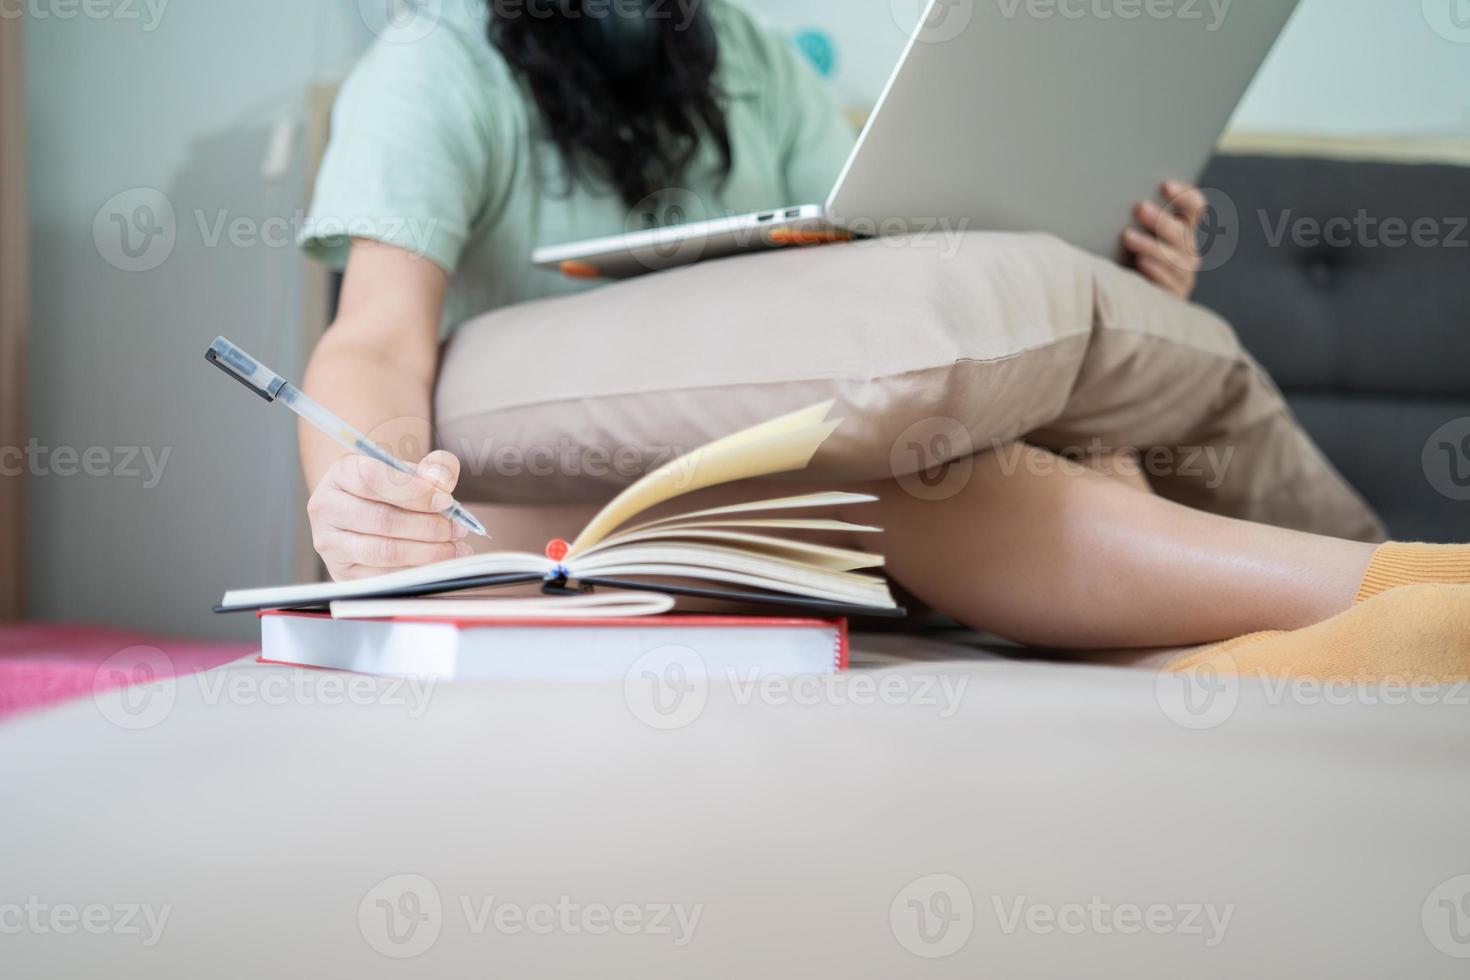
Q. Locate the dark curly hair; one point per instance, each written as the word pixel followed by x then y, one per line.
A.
pixel 625 89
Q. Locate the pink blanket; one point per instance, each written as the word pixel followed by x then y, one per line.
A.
pixel 45 663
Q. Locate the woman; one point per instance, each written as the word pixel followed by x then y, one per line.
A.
pixel 455 154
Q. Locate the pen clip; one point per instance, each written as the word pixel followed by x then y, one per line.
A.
pixel 242 367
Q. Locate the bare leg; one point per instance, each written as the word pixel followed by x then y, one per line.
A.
pixel 1054 554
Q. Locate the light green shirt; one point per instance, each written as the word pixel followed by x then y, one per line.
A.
pixel 433 149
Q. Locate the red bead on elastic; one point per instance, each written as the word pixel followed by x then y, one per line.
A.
pixel 557 549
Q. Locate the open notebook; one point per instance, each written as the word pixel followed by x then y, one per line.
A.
pixel 735 552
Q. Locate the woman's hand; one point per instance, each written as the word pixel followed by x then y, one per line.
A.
pixel 375 367
pixel 1166 249
pixel 367 518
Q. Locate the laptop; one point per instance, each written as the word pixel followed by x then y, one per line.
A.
pixel 1006 115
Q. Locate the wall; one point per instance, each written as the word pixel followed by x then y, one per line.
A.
pixel 172 483
pixel 1356 67
pixel 14 285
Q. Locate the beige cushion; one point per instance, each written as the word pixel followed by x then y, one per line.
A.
pixel 933 349
pixel 587 391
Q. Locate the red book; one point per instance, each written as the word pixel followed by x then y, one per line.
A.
pixel 563 648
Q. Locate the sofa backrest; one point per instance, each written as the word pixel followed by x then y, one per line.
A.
pixel 1349 279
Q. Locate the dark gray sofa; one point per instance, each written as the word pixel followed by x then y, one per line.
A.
pixel 1350 282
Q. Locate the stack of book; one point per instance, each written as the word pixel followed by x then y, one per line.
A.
pixel 609 595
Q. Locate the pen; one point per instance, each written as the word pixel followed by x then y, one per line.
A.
pixel 271 386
